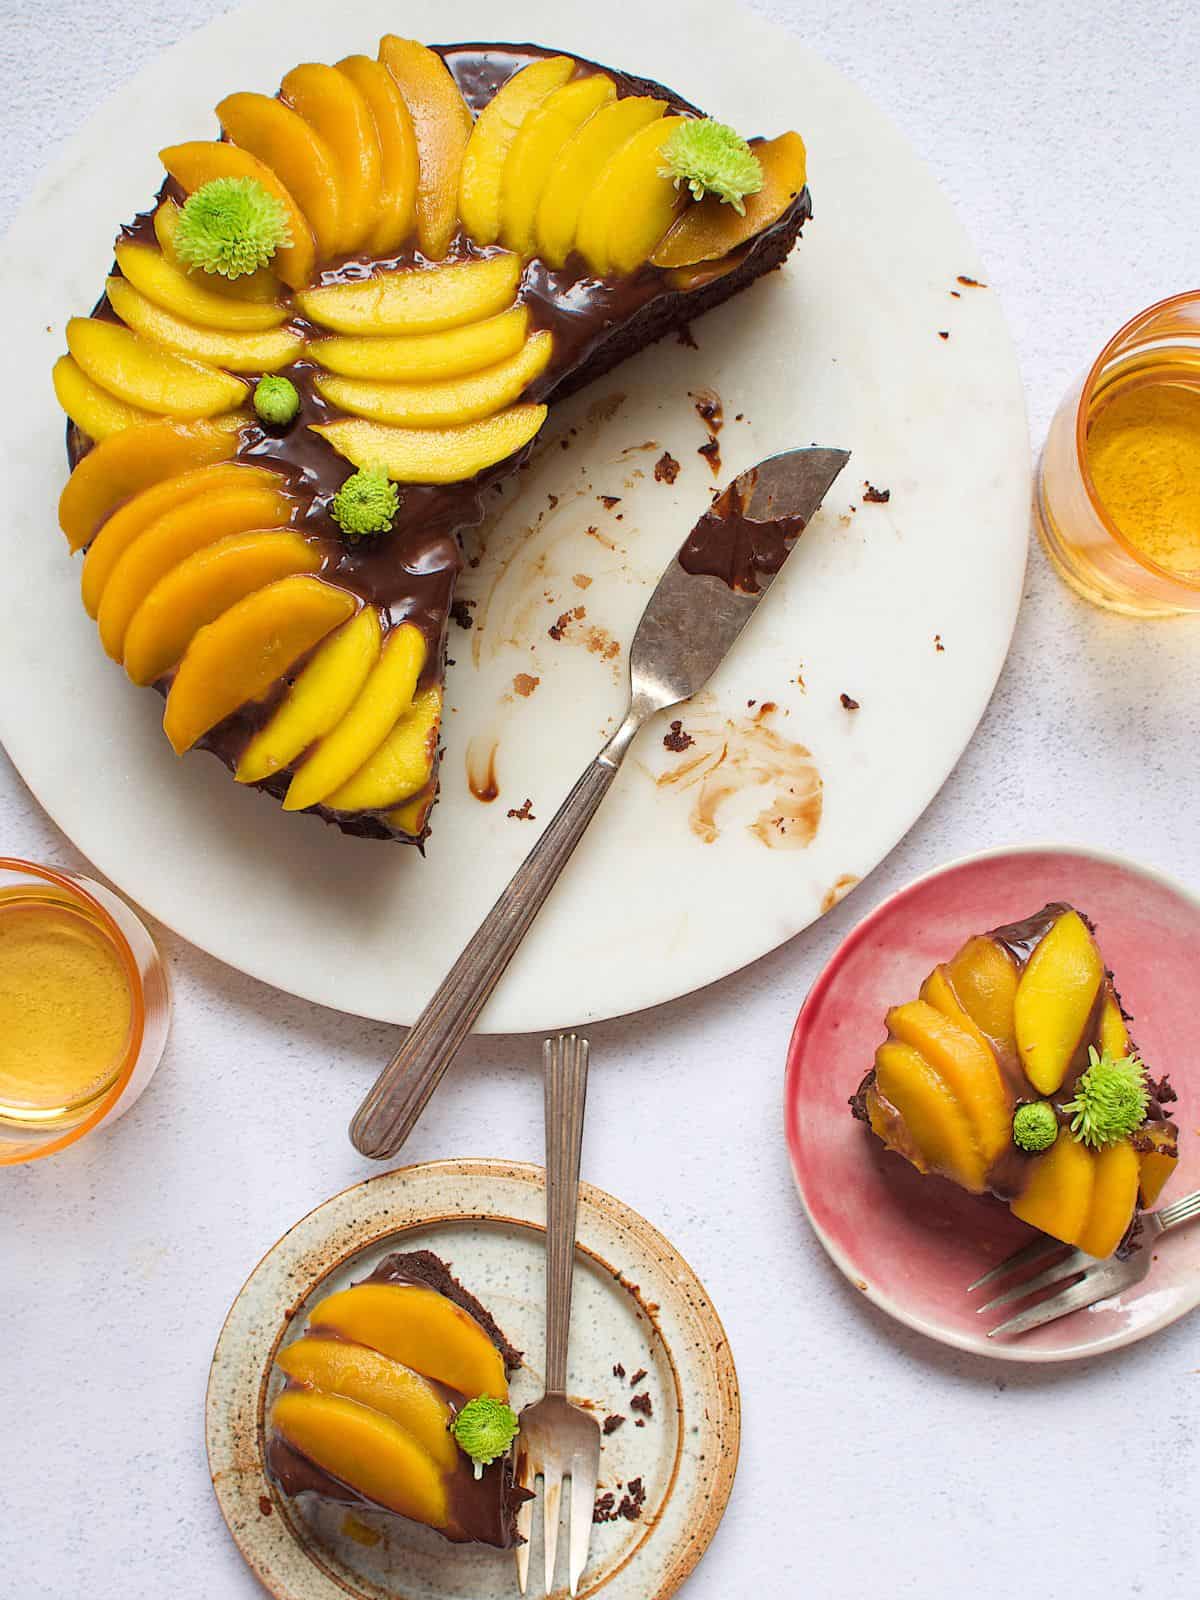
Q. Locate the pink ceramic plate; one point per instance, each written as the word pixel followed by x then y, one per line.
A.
pixel 913 1244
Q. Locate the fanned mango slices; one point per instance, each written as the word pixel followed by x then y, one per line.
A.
pixel 442 125
pixel 537 149
pixel 402 763
pixel 445 403
pixel 99 413
pixel 199 162
pixel 574 176
pixel 425 357
pixel 283 140
pixel 333 105
pixel 262 287
pixel 632 204
pixel 161 279
pixel 236 352
pixel 399 167
pixel 434 455
pixel 711 229
pixel 416 299
pixel 491 141
pixel 140 373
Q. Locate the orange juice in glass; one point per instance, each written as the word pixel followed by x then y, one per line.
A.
pixel 1118 494
pixel 84 1009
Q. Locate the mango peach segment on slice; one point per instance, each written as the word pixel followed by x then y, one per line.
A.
pixel 495 130
pixel 332 104
pixel 385 696
pixel 425 357
pixel 445 403
pixel 95 410
pixel 402 764
pixel 1114 1199
pixel 172 538
pixel 236 352
pixel 1058 1195
pixel 144 375
pixel 399 167
pixel 189 298
pixel 442 124
pixel 123 466
pixel 203 586
pixel 136 516
pixel 577 170
pixel 237 658
pixel 632 204
pixel 1156 1161
pixel 419 1328
pixel 318 700
pixel 281 138
pixel 1055 999
pixel 711 228
pixel 940 1135
pixel 365 1450
pixel 539 144
pixel 194 164
pixel 261 287
pixel 963 1060
pixel 416 299
pixel 434 455
pixel 1114 1035
pixel 410 818
pixel 334 1366
pixel 984 978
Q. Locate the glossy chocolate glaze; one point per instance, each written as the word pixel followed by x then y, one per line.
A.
pixel 728 544
pixel 483 1509
pixel 410 573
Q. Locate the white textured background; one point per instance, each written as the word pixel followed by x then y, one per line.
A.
pixel 875 1464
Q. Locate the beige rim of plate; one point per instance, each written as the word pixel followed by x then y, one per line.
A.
pixel 637 1304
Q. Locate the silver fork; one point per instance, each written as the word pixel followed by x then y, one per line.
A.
pixel 1083 1279
pixel 559 1440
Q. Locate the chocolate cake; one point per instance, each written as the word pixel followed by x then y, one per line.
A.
pixel 464 234
pixel 372 1390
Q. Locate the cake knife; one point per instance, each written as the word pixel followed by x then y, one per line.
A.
pixel 704 599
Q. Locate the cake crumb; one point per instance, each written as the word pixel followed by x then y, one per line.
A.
pixel 618 1371
pixel 849 702
pixel 523 812
pixel 524 683
pixel 712 454
pixel 643 1403
pixel 603 1510
pixel 581 580
pixel 970 283
pixel 264 1505
pixel 460 612
pixel 637 1378
pixel 666 468
pixel 608 501
pixel 639 1422
pixel 612 1423
pixel 938 645
pixel 943 333
pixel 877 497
pixel 632 1501
pixel 677 740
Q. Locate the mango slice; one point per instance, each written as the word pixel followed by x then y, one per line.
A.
pixel 419 1328
pixel 434 455
pixel 366 1450
pixel 1157 1163
pixel 172 538
pixel 262 287
pixel 187 297
pixel 335 1366
pixel 282 139
pixel 632 204
pixel 442 123
pixel 935 1120
pixel 1114 1035
pixel 399 167
pixel 410 817
pixel 495 130
pixel 1058 1195
pixel 136 516
pixel 1054 1000
pixel 332 104
pixel 201 587
pixel 319 698
pixel 416 299
pixel 402 764
pixel 143 375
pixel 1114 1196
pixel 963 1060
pixel 984 978
pixel 425 357
pixel 123 466
pixel 577 171
pixel 454 400
pixel 236 352
pixel 385 696
pixel 98 412
pixel 198 162
pixel 536 150
pixel 238 657
pixel 711 228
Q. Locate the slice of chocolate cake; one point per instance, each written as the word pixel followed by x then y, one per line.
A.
pixel 340 323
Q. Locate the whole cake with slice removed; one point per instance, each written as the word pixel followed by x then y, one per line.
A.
pixel 395 1398
pixel 1014 1072
pixel 340 323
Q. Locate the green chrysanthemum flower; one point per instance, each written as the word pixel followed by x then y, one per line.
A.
pixel 484 1429
pixel 231 226
pixel 712 159
pixel 365 504
pixel 1034 1126
pixel 276 400
pixel 1111 1099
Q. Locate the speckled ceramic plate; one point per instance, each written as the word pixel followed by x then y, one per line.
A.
pixel 637 1305
pixel 913 1244
pixel 877 335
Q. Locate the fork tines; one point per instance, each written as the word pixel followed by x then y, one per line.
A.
pixel 1070 1271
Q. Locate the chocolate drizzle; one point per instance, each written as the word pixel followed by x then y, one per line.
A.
pixel 729 544
pixel 411 572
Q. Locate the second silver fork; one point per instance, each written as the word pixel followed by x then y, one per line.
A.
pixel 559 1440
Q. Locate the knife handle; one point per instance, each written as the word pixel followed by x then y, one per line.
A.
pixel 403 1089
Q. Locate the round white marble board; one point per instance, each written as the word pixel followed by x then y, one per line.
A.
pixel 868 338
